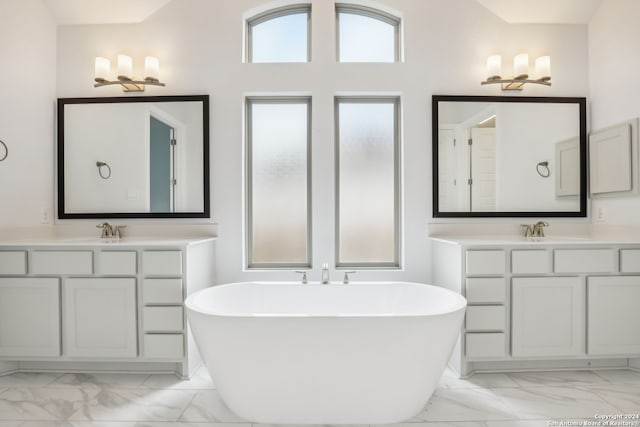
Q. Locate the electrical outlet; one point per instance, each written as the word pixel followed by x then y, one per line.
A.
pixel 601 214
pixel 45 215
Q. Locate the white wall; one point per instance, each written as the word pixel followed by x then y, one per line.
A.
pixel 90 138
pixel 614 87
pixel 526 135
pixel 27 105
pixel 199 44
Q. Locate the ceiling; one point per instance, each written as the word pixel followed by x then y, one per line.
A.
pixel 543 11
pixel 69 12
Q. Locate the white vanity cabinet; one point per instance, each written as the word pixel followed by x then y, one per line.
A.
pixel 102 306
pixel 547 316
pixel 542 305
pixel 100 317
pixel 29 317
pixel 613 315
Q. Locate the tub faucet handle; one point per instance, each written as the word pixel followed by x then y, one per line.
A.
pixel 304 276
pixel 345 280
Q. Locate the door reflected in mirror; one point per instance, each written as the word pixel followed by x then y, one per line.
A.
pixel 509 156
pixel 156 149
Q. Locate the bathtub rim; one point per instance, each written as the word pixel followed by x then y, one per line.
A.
pixel 459 305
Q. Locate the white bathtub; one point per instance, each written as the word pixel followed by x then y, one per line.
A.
pixel 363 353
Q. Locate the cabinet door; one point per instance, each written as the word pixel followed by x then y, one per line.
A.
pixel 100 317
pixel 613 321
pixel 547 316
pixel 29 317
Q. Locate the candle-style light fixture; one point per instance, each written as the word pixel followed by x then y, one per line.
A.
pixel 125 73
pixel 521 72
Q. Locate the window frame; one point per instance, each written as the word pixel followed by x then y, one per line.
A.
pixel 249 101
pixel 397 176
pixel 274 14
pixel 372 13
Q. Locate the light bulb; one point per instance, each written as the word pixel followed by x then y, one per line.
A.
pixel 151 68
pixel 125 67
pixel 543 68
pixel 102 69
pixel 521 66
pixel 494 67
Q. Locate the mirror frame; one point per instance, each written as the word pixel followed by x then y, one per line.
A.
pixel 62 102
pixel 580 101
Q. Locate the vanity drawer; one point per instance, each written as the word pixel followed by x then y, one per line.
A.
pixel 163 319
pixel 62 262
pixel 117 263
pixel 162 263
pixel 630 260
pixel 584 261
pixel 485 290
pixel 162 291
pixel 485 262
pixel 13 262
pixel 163 346
pixel 485 345
pixel 530 262
pixel 485 318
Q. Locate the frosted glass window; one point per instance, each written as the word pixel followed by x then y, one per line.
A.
pixel 278 196
pixel 280 35
pixel 368 170
pixel 366 35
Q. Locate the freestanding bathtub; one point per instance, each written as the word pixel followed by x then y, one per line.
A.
pixel 362 353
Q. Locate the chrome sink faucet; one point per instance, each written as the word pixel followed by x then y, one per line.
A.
pixel 538 228
pixel 535 230
pixel 325 273
pixel 109 231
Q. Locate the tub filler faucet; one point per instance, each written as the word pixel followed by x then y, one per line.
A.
pixel 325 273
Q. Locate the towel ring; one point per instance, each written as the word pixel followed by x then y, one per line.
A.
pixel 100 165
pixel 543 169
pixel 6 150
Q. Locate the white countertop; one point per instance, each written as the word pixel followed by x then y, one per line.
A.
pixel 522 241
pixel 93 241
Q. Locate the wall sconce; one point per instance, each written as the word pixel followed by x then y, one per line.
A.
pixel 125 73
pixel 521 72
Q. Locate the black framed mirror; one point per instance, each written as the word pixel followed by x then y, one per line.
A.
pixel 509 156
pixel 133 157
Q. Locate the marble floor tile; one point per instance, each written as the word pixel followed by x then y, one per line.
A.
pixel 620 376
pixel 201 380
pixel 439 424
pixel 209 406
pixel 514 423
pixel 100 381
pixel 466 404
pixel 43 404
pixel 58 424
pixel 10 423
pixel 625 397
pixel 450 380
pixel 140 404
pixel 553 402
pixel 312 425
pixel 552 378
pixel 27 379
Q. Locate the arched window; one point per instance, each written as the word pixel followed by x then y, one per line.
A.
pixel 280 35
pixel 367 35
